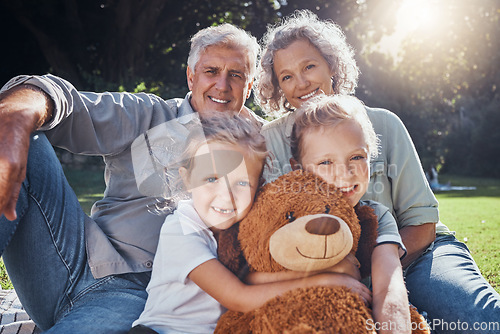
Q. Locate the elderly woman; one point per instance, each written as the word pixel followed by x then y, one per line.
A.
pixel 303 57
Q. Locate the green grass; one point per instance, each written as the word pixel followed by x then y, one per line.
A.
pixel 473 214
pixel 88 186
pixel 4 279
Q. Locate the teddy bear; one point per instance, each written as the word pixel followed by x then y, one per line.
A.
pixel 299 222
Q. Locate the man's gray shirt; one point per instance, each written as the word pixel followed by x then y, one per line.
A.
pixel 122 231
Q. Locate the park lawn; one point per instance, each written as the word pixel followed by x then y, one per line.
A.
pixel 475 217
pixel 88 185
pixel 473 214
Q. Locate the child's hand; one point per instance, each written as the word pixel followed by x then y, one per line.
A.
pixel 336 279
pixel 349 265
pixel 263 277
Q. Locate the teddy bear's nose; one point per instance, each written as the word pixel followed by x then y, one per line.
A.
pixel 323 226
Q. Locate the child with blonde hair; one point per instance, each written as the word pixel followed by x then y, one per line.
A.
pixel 333 138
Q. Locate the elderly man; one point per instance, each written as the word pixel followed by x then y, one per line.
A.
pixel 80 274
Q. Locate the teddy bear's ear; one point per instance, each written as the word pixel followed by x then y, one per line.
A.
pixel 229 251
pixel 368 239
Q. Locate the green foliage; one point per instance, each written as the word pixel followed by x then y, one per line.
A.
pixel 473 148
pixel 5 282
pixel 443 84
pixel 441 79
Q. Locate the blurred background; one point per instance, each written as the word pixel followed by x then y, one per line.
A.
pixel 435 63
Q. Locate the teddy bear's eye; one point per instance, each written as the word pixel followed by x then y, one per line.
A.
pixel 289 216
pixel 327 209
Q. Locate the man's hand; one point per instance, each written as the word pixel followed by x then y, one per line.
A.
pixel 23 109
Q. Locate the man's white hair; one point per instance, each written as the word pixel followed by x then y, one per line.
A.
pixel 224 35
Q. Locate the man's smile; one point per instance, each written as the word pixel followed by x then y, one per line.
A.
pixel 218 100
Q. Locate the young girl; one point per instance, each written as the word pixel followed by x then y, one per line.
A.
pixel 189 287
pixel 333 138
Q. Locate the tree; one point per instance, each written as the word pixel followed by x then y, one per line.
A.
pixel 442 80
pixel 105 44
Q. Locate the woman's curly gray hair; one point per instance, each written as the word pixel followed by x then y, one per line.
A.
pixel 325 35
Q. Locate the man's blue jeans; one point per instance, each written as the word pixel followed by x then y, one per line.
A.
pixel 446 283
pixel 44 252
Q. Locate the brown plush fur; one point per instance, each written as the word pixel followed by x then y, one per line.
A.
pixel 310 310
pixel 368 239
pixel 306 310
pixel 299 193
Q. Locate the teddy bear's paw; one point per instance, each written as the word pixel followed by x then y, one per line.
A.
pixel 418 323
